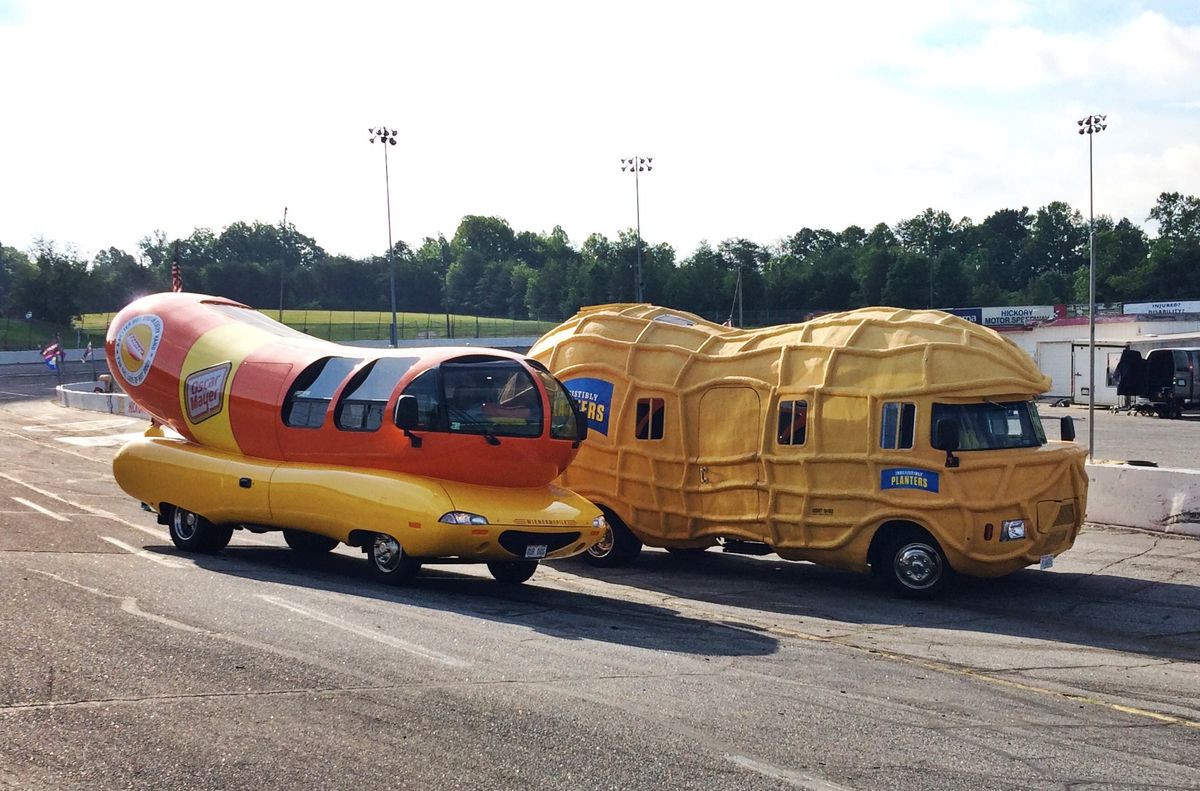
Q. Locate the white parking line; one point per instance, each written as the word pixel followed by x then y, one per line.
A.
pixel 85 508
pixel 41 510
pixel 141 553
pixel 388 640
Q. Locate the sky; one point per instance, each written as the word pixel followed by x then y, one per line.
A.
pixel 120 118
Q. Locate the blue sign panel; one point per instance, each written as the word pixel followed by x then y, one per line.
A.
pixel 908 478
pixel 973 315
pixel 594 397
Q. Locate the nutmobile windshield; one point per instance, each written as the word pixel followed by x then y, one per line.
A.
pixel 992 425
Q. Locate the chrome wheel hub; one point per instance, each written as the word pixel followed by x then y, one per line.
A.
pixel 386 552
pixel 918 566
pixel 604 546
pixel 185 524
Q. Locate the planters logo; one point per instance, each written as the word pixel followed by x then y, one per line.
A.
pixel 594 397
pixel 905 478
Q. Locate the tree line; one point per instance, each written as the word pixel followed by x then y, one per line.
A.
pixel 1012 257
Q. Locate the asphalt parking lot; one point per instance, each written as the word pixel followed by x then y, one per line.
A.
pixel 128 664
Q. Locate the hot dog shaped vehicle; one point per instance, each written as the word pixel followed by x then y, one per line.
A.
pixel 414 455
pixel 903 442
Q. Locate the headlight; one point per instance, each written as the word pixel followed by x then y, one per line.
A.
pixel 1012 530
pixel 462 518
pixel 600 523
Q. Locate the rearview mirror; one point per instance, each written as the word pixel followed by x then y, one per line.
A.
pixel 406 412
pixel 1066 429
pixel 945 437
pixel 407 417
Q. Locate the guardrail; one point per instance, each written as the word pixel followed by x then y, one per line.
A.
pixel 92 397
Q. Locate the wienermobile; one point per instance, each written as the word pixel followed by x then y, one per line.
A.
pixel 415 455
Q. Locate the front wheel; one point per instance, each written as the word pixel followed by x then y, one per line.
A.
pixel 193 533
pixel 915 566
pixel 390 564
pixel 618 546
pixel 512 572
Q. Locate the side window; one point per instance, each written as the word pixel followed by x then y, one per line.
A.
pixel 309 397
pixel 429 403
pixel 361 406
pixel 649 418
pixel 793 422
pixel 899 425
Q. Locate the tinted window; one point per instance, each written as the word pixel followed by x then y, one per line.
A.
pixel 310 395
pixel 899 425
pixel 992 425
pixel 564 417
pixel 429 401
pixel 493 396
pixel 649 416
pixel 361 406
pixel 793 422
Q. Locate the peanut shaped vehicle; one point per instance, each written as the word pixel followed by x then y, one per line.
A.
pixel 903 442
pixel 414 455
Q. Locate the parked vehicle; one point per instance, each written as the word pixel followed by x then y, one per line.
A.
pixel 903 442
pixel 429 455
pixel 1165 377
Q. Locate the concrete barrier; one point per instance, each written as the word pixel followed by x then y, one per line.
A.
pixel 83 395
pixel 1151 498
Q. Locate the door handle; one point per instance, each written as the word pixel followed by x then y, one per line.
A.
pixel 704 475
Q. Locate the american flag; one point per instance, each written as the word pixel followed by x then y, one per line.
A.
pixel 51 354
pixel 176 276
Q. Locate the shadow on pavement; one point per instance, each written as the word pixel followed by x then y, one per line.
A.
pixel 564 614
pixel 1157 619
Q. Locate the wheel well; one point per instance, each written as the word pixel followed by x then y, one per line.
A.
pixel 360 538
pixel 886 533
pixel 165 511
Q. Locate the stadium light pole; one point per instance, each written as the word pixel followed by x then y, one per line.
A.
pixel 637 165
pixel 388 137
pixel 1091 126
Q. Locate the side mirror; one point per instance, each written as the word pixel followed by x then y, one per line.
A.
pixel 407 417
pixel 1066 429
pixel 945 437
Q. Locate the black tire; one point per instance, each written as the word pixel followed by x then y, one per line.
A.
pixel 309 543
pixel 914 565
pixel 390 564
pixel 618 547
pixel 512 572
pixel 193 533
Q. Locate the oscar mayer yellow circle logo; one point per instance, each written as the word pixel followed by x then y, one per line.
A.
pixel 136 345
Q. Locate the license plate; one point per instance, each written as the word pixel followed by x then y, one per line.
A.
pixel 1047 562
pixel 535 551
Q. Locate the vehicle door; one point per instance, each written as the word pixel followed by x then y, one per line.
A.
pixel 727 475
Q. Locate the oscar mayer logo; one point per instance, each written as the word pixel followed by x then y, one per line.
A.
pixel 204 392
pixel 136 344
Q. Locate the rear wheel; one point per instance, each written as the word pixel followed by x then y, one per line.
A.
pixel 617 547
pixel 512 572
pixel 390 564
pixel 915 565
pixel 309 543
pixel 193 533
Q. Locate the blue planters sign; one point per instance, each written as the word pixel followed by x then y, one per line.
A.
pixel 594 397
pixel 908 478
